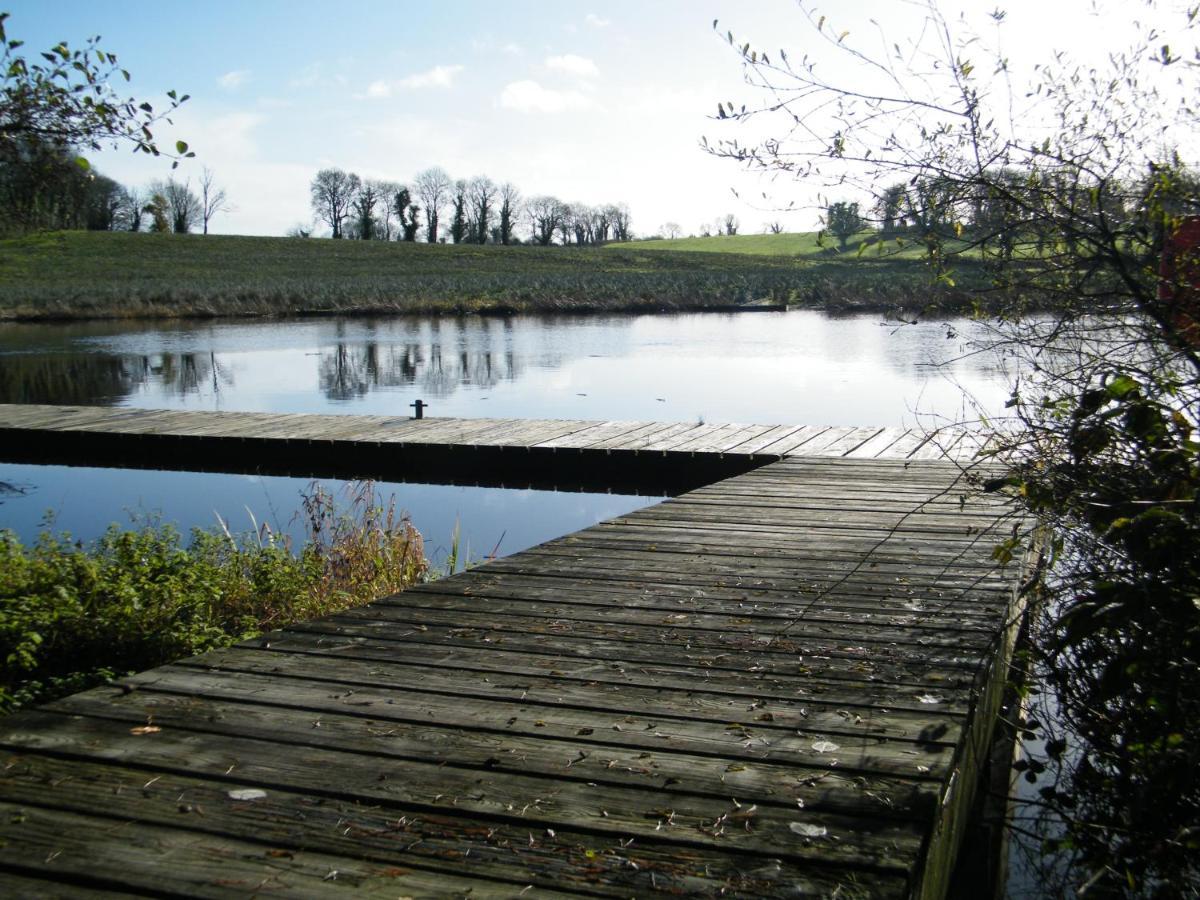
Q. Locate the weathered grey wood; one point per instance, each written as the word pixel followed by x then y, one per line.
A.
pixel 772 685
pixel 741 440
pixel 702 673
pixel 601 431
pixel 638 440
pixel 568 861
pixel 796 440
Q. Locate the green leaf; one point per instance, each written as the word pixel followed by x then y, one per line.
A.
pixel 83 163
pixel 181 146
pixel 1120 386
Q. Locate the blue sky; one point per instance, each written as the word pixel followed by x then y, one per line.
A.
pixel 595 103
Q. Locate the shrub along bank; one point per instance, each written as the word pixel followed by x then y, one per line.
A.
pixel 73 616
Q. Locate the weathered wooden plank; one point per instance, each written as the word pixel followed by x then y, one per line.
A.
pixel 910 723
pixel 920 675
pixel 487 793
pixel 601 431
pixel 566 861
pixel 549 429
pixel 795 440
pixel 847 621
pixel 701 673
pixel 772 435
pixel 680 602
pixel 639 439
pixel 430 725
pixel 812 638
pixel 877 445
pixel 700 432
pixel 766 644
pixel 137 858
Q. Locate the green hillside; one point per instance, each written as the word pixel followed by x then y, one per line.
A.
pixel 77 274
pixel 800 244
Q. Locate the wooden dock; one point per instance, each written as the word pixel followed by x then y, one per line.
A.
pixel 635 457
pixel 780 684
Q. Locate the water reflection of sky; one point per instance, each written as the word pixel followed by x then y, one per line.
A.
pixel 800 367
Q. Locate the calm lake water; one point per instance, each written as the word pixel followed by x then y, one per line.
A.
pixel 794 367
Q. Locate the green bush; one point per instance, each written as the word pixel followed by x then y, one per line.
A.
pixel 75 615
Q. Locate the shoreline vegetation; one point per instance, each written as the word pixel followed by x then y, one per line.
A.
pixel 75 275
pixel 75 616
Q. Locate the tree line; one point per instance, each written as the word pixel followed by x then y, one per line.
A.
pixel 1014 210
pixel 436 208
pixel 45 187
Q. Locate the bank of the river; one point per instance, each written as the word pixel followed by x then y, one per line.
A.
pixel 75 614
pixel 98 275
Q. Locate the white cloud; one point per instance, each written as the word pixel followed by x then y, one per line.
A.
pixel 531 97
pixel 513 49
pixel 594 21
pixel 231 81
pixel 378 90
pixel 438 76
pixel 573 65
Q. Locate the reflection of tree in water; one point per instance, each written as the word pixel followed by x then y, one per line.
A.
pixel 348 371
pixel 90 378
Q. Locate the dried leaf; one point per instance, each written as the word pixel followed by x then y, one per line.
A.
pixel 145 729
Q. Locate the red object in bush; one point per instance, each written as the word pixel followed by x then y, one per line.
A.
pixel 1179 279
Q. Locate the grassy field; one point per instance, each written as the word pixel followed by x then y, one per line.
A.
pixel 108 275
pixel 799 245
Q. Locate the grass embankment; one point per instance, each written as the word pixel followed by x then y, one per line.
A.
pixel 74 616
pixel 116 275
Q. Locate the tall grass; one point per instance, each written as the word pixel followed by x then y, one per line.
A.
pixel 73 615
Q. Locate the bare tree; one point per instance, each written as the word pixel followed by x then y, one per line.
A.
pixel 621 220
pixel 510 207
pixel 332 191
pixel 433 187
pixel 133 208
pixel 212 198
pixel 544 212
pixel 728 224
pixel 481 193
pixel 601 225
pixel 583 222
pixel 775 227
pixel 385 191
pixel 568 215
pixel 181 205
pixel 671 230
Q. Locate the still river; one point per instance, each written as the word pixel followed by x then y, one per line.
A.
pixel 770 367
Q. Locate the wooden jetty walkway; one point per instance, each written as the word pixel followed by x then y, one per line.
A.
pixel 779 684
pixel 637 457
